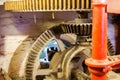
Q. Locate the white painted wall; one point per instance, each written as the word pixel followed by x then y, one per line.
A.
pixel 2 2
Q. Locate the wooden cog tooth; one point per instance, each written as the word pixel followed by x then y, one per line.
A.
pixel 48 5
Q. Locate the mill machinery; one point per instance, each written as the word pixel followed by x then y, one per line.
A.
pixel 64 51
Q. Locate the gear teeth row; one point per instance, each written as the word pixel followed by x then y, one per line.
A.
pixel 19 53
pixel 29 71
pixel 82 29
pixel 35 51
pixel 67 57
pixel 79 29
pixel 110 48
pixel 48 5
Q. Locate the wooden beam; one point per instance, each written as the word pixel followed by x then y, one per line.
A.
pixel 113 6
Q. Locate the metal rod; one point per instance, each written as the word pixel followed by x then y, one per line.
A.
pixel 35 19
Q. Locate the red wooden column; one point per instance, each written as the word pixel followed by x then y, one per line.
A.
pixel 99 41
pixel 99 34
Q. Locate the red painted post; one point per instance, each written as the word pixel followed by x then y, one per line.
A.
pixel 1 77
pixel 99 41
pixel 99 34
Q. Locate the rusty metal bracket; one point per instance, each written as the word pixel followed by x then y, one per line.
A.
pixel 101 67
pixel 100 64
